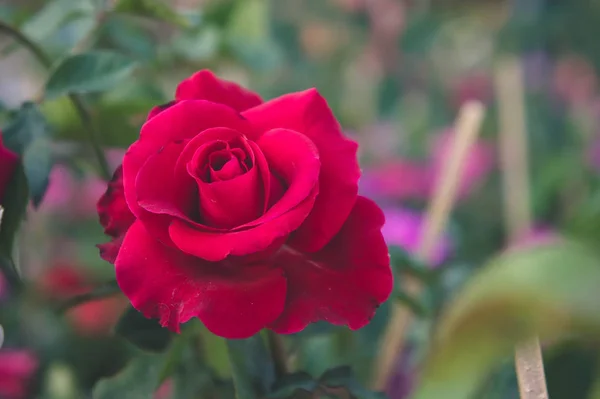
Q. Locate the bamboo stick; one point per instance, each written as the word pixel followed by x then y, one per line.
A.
pixel 517 213
pixel 466 130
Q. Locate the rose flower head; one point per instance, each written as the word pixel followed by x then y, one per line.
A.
pixel 245 214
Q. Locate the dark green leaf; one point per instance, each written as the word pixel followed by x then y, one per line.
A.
pixel 289 384
pixel 89 72
pixel 15 205
pixel 38 161
pixel 157 9
pixel 251 366
pixel 138 380
pixel 27 135
pixel 192 379
pixel 550 291
pixel 343 377
pixel 144 333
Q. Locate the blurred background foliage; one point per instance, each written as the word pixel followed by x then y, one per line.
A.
pixel 395 73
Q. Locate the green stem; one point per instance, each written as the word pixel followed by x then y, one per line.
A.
pixel 82 111
pixel 108 289
pixel 278 353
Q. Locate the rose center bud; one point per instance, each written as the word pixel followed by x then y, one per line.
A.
pixel 226 164
pixel 230 187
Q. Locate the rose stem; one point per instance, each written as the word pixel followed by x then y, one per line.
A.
pixel 277 349
pixel 508 79
pixel 77 101
pixel 466 130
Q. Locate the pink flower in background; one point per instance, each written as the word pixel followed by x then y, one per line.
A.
pixel 165 390
pixel 61 188
pixel 94 318
pixel 539 235
pixel 575 80
pixel 17 368
pixel 479 162
pixel 399 179
pixel 476 86
pixel 403 228
pixel 593 154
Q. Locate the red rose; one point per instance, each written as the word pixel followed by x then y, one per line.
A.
pixel 246 215
pixel 17 369
pixel 93 318
pixel 8 163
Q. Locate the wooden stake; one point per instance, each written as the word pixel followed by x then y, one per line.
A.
pixel 514 163
pixel 466 131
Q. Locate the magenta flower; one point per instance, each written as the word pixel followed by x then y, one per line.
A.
pixel 403 228
pixel 17 368
pixel 478 165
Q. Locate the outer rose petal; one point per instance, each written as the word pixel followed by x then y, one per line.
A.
pixel 308 113
pixel 165 283
pixel 343 283
pixel 115 216
pixel 182 121
pixel 8 163
pixel 204 85
pixel 114 213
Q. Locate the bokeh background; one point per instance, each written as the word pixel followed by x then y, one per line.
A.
pixel 395 73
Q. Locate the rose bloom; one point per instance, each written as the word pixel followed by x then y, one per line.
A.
pixel 8 164
pixel 17 368
pixel 94 318
pixel 245 214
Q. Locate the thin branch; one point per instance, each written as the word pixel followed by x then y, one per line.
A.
pixel 108 289
pixel 80 108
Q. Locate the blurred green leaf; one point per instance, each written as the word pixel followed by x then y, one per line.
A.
pixel 138 380
pixel 252 369
pixel 290 384
pixel 28 136
pixel 343 377
pixel 144 333
pixel 248 35
pixel 53 16
pixel 15 205
pixel 125 34
pixel 89 72
pixel 551 291
pixel 157 9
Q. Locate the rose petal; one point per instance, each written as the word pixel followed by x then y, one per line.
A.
pixel 308 113
pixel 182 121
pixel 204 85
pixel 295 159
pixel 113 211
pixel 343 283
pixel 165 283
pixel 8 164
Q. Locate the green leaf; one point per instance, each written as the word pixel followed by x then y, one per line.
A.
pixel 38 161
pixel 27 135
pixel 290 384
pixel 157 9
pixel 343 377
pixel 252 369
pixel 53 16
pixel 550 291
pixel 144 333
pixel 138 380
pixel 89 72
pixel 15 205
